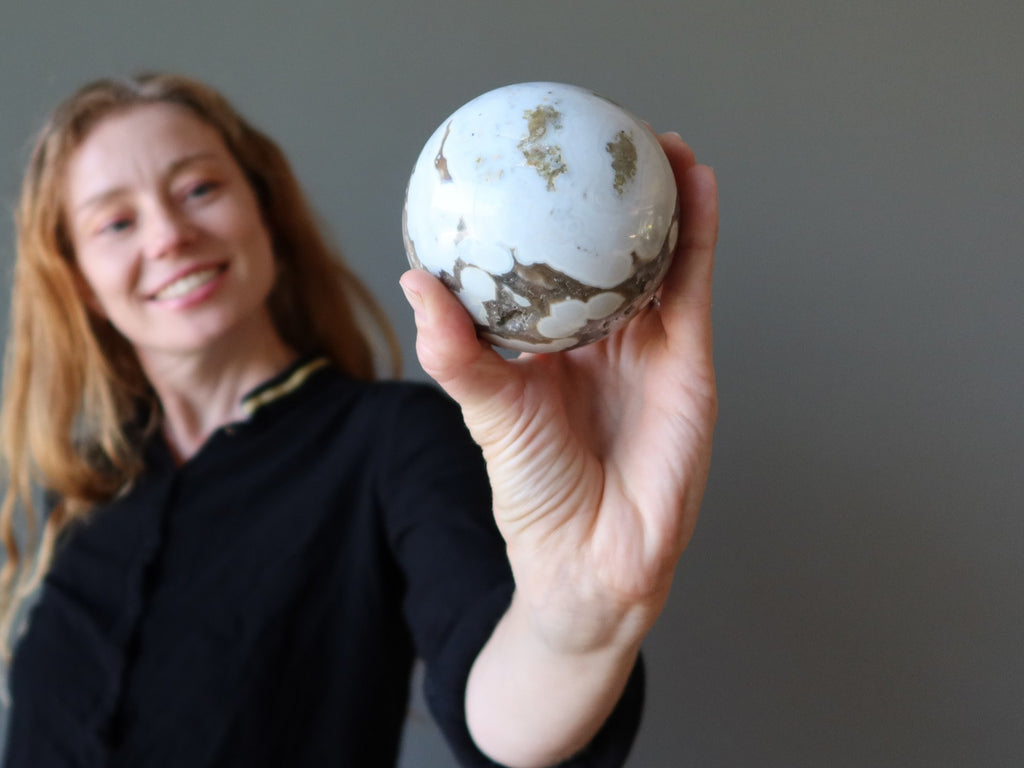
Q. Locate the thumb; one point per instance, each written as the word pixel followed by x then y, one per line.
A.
pixel 450 352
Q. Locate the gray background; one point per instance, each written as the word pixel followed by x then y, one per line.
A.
pixel 853 595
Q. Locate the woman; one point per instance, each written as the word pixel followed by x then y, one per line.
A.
pixel 251 539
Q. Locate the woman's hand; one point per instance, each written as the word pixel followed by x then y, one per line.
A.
pixel 598 457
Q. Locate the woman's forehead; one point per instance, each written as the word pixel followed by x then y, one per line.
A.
pixel 136 144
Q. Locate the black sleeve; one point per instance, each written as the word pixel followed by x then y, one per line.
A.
pixel 459 584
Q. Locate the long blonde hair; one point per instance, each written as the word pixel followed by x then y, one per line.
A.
pixel 72 384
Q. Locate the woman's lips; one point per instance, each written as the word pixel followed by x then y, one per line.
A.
pixel 186 283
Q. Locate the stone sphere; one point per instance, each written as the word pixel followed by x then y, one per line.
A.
pixel 548 210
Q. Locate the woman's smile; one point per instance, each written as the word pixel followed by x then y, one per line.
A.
pixel 188 284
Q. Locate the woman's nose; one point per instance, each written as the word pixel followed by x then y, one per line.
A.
pixel 168 232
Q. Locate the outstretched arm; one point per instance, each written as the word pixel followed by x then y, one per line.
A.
pixel 597 458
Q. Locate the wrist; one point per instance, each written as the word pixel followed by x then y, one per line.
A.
pixel 531 701
pixel 581 629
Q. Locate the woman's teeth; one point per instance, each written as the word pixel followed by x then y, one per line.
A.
pixel 188 283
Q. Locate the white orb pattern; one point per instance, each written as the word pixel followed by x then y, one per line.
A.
pixel 548 210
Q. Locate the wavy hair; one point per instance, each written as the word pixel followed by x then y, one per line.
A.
pixel 72 384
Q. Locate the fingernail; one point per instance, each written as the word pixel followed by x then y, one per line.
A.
pixel 414 299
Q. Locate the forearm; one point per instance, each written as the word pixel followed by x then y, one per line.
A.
pixel 529 704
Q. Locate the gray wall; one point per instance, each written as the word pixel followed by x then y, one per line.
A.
pixel 853 596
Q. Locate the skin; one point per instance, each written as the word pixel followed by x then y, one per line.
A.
pixel 598 459
pixel 152 196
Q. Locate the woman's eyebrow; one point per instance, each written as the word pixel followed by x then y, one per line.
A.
pixel 99 198
pixel 187 160
pixel 176 167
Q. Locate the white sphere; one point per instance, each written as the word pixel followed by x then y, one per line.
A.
pixel 548 210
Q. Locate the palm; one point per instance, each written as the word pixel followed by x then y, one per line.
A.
pixel 610 446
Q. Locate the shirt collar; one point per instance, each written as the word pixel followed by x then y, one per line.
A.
pixel 282 384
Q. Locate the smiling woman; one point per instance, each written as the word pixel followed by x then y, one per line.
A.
pixel 71 357
pixel 251 538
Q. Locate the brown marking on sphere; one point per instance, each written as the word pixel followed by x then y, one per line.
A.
pixel 440 161
pixel 546 159
pixel 623 152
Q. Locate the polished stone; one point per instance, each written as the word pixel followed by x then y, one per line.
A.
pixel 549 210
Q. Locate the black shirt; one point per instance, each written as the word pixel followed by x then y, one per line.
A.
pixel 262 604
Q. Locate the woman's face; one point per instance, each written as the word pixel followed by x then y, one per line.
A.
pixel 167 232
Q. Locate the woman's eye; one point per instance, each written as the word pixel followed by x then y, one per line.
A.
pixel 117 225
pixel 202 189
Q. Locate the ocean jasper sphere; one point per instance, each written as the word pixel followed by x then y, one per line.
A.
pixel 548 210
